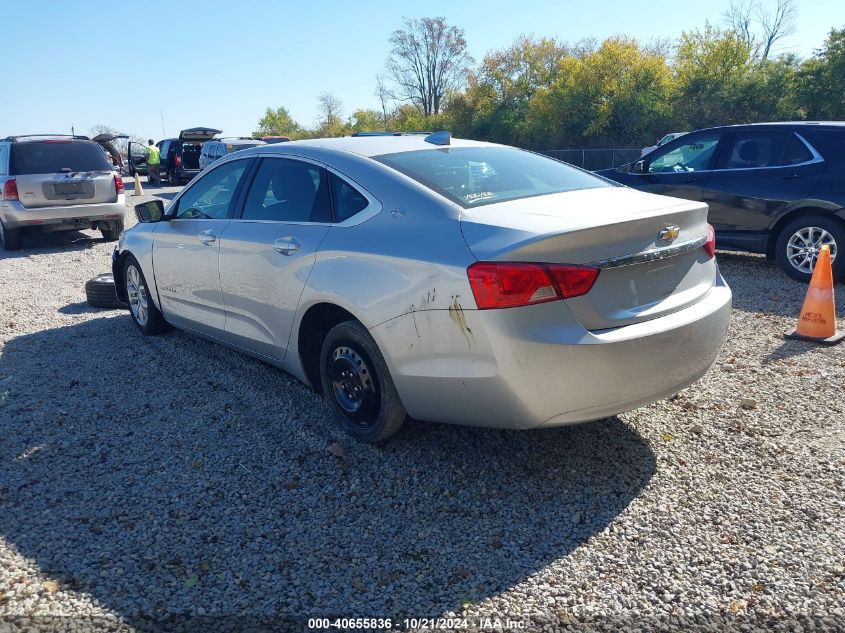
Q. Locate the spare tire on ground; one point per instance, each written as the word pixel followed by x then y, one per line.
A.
pixel 100 292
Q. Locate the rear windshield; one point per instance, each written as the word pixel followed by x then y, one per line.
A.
pixel 474 176
pixel 55 157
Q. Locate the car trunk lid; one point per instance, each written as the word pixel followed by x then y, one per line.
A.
pixel 198 134
pixel 643 275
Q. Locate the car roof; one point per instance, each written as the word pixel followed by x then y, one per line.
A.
pixel 370 146
pixel 775 124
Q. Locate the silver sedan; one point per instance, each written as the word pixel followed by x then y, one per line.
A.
pixel 436 278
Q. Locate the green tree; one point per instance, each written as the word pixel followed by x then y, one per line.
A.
pixel 710 68
pixel 821 80
pixel 278 122
pixel 617 95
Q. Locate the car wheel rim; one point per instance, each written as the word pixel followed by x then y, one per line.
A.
pixel 803 247
pixel 353 385
pixel 137 293
pixel 2 235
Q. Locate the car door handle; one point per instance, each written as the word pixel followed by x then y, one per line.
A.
pixel 286 245
pixel 792 176
pixel 207 237
pixel 692 180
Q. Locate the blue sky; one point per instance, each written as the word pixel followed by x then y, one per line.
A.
pixel 221 64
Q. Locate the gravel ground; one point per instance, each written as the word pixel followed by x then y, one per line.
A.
pixel 143 479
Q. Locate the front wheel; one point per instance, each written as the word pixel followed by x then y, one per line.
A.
pixel 799 243
pixel 144 313
pixel 357 384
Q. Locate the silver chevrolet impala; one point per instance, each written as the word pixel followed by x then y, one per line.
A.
pixel 436 278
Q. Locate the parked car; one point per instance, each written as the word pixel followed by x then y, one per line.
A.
pixel 180 157
pixel 218 148
pixel 454 280
pixel 773 188
pixel 275 139
pixel 52 182
pixel 661 142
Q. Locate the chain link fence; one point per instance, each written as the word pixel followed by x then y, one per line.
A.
pixel 594 159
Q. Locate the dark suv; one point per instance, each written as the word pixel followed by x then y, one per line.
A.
pixel 180 157
pixel 773 188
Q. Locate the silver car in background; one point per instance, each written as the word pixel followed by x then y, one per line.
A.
pixel 435 278
pixel 56 183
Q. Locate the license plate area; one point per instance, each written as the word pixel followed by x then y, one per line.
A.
pixel 73 189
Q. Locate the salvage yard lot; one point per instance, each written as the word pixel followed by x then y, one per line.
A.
pixel 141 477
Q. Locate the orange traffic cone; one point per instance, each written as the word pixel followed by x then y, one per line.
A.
pixel 139 191
pixel 817 322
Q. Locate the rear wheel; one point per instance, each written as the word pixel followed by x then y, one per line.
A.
pixel 10 239
pixel 357 384
pixel 111 231
pixel 800 241
pixel 173 178
pixel 144 313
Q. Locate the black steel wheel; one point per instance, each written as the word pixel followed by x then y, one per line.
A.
pixel 357 384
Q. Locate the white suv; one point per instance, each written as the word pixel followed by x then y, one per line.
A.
pixel 54 183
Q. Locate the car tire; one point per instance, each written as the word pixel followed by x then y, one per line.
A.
pixel 100 292
pixel 143 311
pixel 10 239
pixel 810 232
pixel 357 384
pixel 173 179
pixel 111 231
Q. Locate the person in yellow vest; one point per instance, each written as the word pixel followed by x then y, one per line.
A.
pixel 153 163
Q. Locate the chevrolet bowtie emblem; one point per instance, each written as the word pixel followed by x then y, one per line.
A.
pixel 669 234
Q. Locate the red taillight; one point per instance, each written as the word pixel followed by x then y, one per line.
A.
pixel 10 190
pixel 710 244
pixel 573 281
pixel 512 284
pixel 118 184
pixel 177 161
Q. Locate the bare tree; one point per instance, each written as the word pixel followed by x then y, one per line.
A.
pixel 777 25
pixel 384 95
pixel 331 109
pixel 428 59
pixel 746 16
pixel 740 18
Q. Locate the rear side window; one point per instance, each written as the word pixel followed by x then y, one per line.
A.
pixel 55 157
pixel 756 149
pixel 475 176
pixel 346 199
pixel 287 190
pixel 4 157
pixel 830 143
pixel 796 152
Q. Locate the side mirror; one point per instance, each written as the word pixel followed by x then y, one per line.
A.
pixel 638 167
pixel 152 211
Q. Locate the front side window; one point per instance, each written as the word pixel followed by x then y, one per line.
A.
pixel 690 155
pixel 475 176
pixel 286 190
pixel 211 196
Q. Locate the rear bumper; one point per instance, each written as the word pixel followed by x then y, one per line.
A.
pixel 15 215
pixel 536 366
